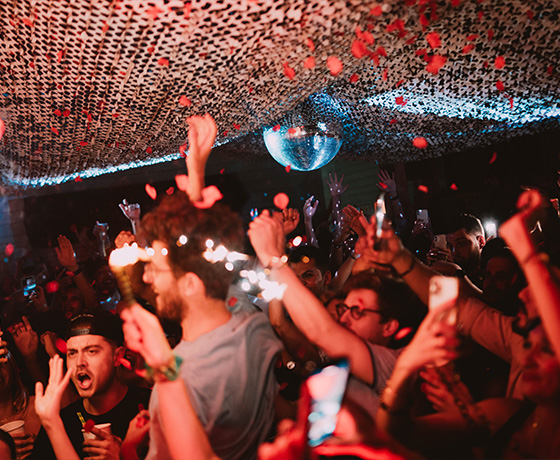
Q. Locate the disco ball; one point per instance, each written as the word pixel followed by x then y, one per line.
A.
pixel 307 138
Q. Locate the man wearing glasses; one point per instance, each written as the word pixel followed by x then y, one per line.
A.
pixel 374 315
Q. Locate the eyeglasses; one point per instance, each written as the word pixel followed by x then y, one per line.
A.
pixel 355 311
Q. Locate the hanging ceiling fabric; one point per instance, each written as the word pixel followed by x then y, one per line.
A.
pixel 91 86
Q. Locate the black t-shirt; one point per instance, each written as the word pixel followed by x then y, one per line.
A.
pixel 119 417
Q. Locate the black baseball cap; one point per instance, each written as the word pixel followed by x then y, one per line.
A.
pixel 100 323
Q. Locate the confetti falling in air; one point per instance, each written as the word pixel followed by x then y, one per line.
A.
pixel 289 71
pixel 454 187
pixel 433 40
pixel 2 128
pixel 401 334
pixel 288 168
pixel 335 65
pixel 185 101
pixel 182 182
pixel 232 301
pixel 420 143
pixel 9 250
pixel 493 158
pixel 60 345
pixel 281 201
pixel 423 189
pixel 276 128
pixel 500 86
pixel 309 63
pixel 52 286
pixel 151 191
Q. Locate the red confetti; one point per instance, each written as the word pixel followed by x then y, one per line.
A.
pixel 436 63
pixel 288 168
pixel 381 51
pixel 2 128
pixel 151 191
pixel 9 250
pixel 490 34
pixel 530 14
pixel 499 85
pixel 420 143
pixel 154 12
pixel 335 65
pixel 236 126
pixel 376 11
pixel 383 185
pixel 149 150
pixel 232 301
pixel 105 27
pixel 170 190
pixel 480 15
pixel 433 40
pixel 424 21
pixel 368 38
pixel 511 103
pixel 54 130
pixel 28 22
pixel 453 187
pixel 61 345
pixel 210 195
pixel 423 188
pixel 392 122
pixel 500 62
pixel 549 71
pixel 88 426
pixel 66 113
pixel 309 63
pixel 384 76
pixel 472 37
pixel 151 49
pixel 182 149
pixel 83 143
pixel 184 101
pixel 78 179
pixel 288 71
pixel 399 83
pixel 421 52
pixel 400 100
pixel 163 62
pixel 281 201
pixel 411 40
pixel 468 48
pixel 276 128
pixel 359 49
pixel 493 159
pixel 292 131
pixel 310 44
pixel 59 55
pixel 58 113
pixel 354 78
pixel 182 182
pixel 403 333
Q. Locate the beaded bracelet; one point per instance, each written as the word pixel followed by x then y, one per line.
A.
pixel 169 373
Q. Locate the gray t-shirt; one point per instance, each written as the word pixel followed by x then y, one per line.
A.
pixel 229 377
pixel 383 361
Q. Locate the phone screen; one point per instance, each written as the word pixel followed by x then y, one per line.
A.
pixel 326 389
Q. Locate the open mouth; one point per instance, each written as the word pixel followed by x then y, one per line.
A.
pixel 83 380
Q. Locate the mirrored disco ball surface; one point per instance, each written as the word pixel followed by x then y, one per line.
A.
pixel 306 139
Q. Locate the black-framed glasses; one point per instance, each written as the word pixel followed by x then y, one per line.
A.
pixel 355 311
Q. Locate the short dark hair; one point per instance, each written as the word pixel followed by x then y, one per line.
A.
pixel 299 252
pixel 396 300
pixel 470 223
pixel 98 322
pixel 176 216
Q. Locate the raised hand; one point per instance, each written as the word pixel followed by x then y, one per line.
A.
pixel 387 182
pixel 267 238
pixel 290 220
pixel 379 254
pixel 47 401
pixel 48 340
pixel 25 338
pixel 335 185
pixel 65 254
pixel 105 445
pixel 131 211
pixel 438 393
pixel 143 333
pixel 310 207
pixel 352 219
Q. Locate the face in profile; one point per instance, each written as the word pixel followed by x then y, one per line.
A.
pixel 465 249
pixel 365 319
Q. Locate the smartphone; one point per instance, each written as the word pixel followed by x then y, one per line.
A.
pixel 444 291
pixel 325 389
pixel 440 241
pixel 422 215
pixel 28 284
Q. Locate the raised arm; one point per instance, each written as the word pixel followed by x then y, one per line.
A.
pixel 307 312
pixel 309 209
pixel 202 135
pixel 543 284
pixel 181 426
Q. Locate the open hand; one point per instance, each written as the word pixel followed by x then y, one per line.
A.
pixel 310 207
pixel 65 254
pixel 387 182
pixel 335 185
pixel 290 220
pixel 202 135
pixel 25 338
pixel 131 211
pixel 47 401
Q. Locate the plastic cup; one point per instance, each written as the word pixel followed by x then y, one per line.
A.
pixel 15 427
pixel 102 426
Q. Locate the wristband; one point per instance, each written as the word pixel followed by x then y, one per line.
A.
pixel 74 273
pixel 168 373
pixel 406 272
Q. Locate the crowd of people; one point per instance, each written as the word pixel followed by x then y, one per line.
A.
pixel 452 340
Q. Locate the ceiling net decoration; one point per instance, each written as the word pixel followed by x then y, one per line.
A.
pixel 92 86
